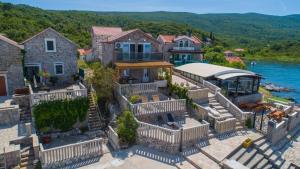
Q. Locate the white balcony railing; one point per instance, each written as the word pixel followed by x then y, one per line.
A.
pixel 183 48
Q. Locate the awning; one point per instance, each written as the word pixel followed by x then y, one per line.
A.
pixel 140 65
pixel 230 75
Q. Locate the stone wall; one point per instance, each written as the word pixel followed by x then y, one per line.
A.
pixel 199 95
pixel 9 115
pixel 276 131
pixel 11 64
pixel 293 120
pixel 66 53
pixel 157 144
pixel 12 155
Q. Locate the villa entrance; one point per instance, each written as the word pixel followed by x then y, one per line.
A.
pixel 261 121
pixel 31 72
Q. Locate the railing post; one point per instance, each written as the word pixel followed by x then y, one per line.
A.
pixel 181 141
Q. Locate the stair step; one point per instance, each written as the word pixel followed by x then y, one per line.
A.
pixel 223 111
pixel 260 142
pixel 262 163
pixel 238 154
pixel 268 166
pixel 247 156
pixel 264 147
pixel 255 160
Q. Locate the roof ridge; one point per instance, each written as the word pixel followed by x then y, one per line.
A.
pixel 10 41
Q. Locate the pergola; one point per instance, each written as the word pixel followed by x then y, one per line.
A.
pixel 143 65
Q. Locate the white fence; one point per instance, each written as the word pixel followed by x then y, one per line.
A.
pixel 233 109
pixel 225 125
pixel 37 98
pixel 113 138
pixel 159 107
pixel 63 155
pixel 134 89
pixel 173 138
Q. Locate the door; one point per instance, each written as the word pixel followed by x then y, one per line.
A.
pixel 140 51
pixel 3 86
pixel 32 72
pixel 146 75
pixel 132 51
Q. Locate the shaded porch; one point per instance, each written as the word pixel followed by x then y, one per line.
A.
pixel 144 72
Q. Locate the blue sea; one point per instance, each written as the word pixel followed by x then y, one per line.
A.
pixel 280 74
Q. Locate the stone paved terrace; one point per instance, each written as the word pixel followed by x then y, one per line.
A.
pixel 292 150
pixel 137 157
pixel 61 141
pixel 178 80
pixel 7 134
pixel 219 148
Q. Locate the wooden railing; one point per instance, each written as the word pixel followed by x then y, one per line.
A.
pixel 71 153
pixel 159 107
pixel 37 98
pixel 134 89
pixel 113 138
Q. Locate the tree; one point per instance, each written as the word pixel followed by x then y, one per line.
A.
pixel 103 79
pixel 215 57
pixel 127 126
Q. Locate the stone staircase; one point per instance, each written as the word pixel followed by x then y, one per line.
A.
pixel 27 158
pixel 260 156
pixel 95 123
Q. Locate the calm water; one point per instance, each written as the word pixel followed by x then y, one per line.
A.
pixel 281 74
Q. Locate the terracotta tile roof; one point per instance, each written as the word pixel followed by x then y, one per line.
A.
pixel 108 31
pixel 121 34
pixel 239 50
pixel 5 39
pixel 234 59
pixel 167 38
pixel 84 51
pixel 171 38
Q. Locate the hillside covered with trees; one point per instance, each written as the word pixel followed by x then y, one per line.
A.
pixel 263 36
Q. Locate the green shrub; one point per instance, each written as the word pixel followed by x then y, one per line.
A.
pixel 60 114
pixel 134 99
pixel 127 127
pixel 249 123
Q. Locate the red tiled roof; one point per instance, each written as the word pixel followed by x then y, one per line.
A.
pixel 108 31
pixel 121 34
pixel 228 51
pixel 234 59
pixel 84 51
pixel 5 39
pixel 167 38
pixel 171 38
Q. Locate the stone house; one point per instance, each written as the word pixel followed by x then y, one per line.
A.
pixel 50 52
pixel 137 56
pixel 11 71
pixel 181 49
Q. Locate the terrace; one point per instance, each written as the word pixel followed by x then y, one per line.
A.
pixel 73 91
pixel 161 119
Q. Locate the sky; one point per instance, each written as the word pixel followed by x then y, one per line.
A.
pixel 272 7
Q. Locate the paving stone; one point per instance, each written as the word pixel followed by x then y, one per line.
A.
pixel 238 154
pixel 262 163
pixel 255 160
pixel 247 156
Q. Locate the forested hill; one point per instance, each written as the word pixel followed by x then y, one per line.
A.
pixel 20 22
pixel 264 35
pixel 242 27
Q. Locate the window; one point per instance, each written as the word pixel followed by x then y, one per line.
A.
pixel 59 68
pixel 181 43
pixel 50 45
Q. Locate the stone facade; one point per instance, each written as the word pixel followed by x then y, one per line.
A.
pixel 168 46
pixel 276 131
pixel 65 53
pixel 11 64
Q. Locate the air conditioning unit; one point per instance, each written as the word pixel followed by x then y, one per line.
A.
pixel 118 45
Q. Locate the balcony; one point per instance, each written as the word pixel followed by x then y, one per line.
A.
pixel 138 57
pixel 184 48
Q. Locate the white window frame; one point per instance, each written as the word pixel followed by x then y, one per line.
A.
pixel 63 68
pixel 54 44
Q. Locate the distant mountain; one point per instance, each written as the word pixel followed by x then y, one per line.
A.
pixel 21 21
pixel 243 27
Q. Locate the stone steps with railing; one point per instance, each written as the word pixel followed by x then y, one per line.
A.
pixel 95 123
pixel 27 158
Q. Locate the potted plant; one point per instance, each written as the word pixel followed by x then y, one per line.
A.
pixel 161 81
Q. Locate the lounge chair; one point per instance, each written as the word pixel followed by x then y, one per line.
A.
pixel 144 99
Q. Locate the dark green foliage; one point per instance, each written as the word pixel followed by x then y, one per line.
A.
pixel 127 127
pixel 249 123
pixel 60 115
